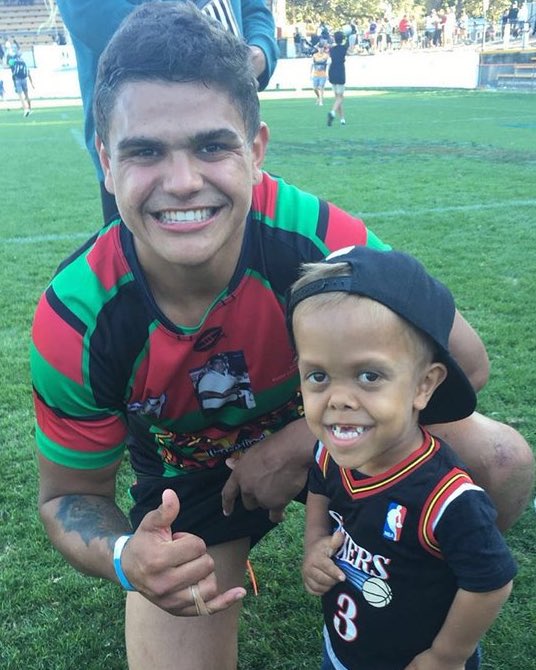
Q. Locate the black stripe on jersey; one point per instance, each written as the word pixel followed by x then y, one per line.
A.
pixel 63 415
pixel 66 315
pixel 120 334
pixel 323 218
pixel 289 249
pixel 78 252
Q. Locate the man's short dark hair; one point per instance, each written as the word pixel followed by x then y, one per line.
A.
pixel 175 42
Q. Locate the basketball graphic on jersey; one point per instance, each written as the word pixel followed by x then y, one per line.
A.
pixel 377 592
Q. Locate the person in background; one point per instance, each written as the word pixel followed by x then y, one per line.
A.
pixel 319 70
pixel 398 536
pixel 337 76
pixel 91 23
pixel 21 76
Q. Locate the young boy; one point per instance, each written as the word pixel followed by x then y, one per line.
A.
pixel 419 569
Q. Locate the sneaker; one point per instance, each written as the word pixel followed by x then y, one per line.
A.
pixel 343 122
pixel 331 116
pixel 27 112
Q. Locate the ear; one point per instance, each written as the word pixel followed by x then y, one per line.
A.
pixel 104 158
pixel 258 151
pixel 431 378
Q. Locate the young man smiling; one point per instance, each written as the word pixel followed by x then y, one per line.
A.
pixel 197 265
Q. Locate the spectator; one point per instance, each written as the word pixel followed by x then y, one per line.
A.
pixel 373 35
pixel 438 29
pixel 449 27
pixel 404 28
pixel 298 42
pixel 512 19
pixel 428 30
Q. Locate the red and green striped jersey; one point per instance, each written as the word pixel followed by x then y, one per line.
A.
pixel 110 371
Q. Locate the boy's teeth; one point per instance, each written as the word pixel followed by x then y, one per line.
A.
pixel 347 432
pixel 186 216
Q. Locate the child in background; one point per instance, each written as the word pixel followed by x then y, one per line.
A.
pixel 399 541
pixel 319 71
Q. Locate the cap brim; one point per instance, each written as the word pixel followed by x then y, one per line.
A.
pixel 453 400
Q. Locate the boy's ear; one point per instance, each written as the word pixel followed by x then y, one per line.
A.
pixel 105 164
pixel 431 378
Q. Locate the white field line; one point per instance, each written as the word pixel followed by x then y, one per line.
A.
pixel 39 239
pixel 451 208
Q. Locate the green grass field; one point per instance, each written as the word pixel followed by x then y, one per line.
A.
pixel 448 176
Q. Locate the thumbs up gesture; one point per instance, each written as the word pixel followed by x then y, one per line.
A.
pixel 174 570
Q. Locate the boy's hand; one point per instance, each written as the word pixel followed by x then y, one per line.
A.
pixel 429 660
pixel 319 571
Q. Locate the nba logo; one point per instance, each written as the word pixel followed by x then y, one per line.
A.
pixel 394 520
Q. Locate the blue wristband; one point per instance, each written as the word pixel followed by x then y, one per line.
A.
pixel 118 550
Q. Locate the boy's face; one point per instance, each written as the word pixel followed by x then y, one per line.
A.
pixel 364 379
pixel 179 165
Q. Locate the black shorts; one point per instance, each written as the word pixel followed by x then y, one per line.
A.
pixel 201 507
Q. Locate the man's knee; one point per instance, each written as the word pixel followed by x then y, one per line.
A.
pixel 500 460
pixel 511 474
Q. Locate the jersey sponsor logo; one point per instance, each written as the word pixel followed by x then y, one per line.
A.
pixel 208 339
pixel 394 521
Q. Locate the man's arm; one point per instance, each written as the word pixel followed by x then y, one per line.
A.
pixel 80 515
pixel 83 522
pixel 258 27
pixel 271 473
pixel 469 351
pixel 500 459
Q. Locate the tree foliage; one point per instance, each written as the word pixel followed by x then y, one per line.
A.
pixel 338 12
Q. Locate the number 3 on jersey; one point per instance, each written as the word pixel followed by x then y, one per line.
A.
pixel 344 618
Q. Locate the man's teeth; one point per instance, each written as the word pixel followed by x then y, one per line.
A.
pixel 186 216
pixel 347 432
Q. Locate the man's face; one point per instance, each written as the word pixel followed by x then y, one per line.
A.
pixel 179 165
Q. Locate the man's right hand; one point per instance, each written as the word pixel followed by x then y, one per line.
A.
pixel 163 565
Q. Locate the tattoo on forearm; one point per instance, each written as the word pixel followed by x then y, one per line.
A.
pixel 92 517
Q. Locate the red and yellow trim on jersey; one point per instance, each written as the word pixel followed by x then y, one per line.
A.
pixel 361 488
pixel 453 484
pixel 322 458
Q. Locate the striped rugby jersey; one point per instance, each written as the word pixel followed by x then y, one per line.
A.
pixel 110 370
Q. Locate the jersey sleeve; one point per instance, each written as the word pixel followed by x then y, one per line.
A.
pixel 311 226
pixel 472 544
pixel 70 429
pixel 317 472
